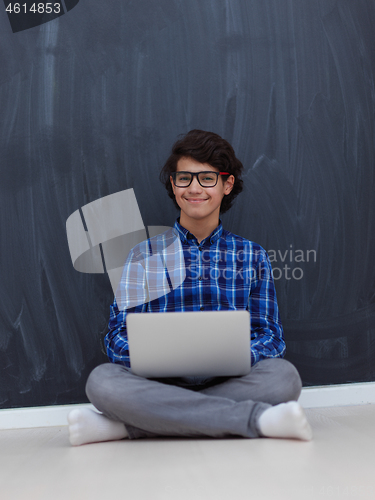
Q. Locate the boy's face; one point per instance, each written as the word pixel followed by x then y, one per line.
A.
pixel 196 202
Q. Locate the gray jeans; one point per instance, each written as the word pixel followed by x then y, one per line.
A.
pixel 179 407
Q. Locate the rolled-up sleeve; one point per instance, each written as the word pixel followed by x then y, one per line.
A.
pixel 267 336
pixel 131 296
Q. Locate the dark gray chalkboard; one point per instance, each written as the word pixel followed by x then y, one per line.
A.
pixel 90 105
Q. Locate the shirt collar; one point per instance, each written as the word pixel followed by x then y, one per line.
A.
pixel 185 235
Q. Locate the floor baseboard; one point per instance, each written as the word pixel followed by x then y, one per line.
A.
pixel 311 397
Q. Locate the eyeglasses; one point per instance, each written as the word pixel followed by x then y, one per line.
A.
pixel 206 179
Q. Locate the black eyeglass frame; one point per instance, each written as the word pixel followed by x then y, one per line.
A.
pixel 196 174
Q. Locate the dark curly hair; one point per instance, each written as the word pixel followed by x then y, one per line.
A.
pixel 205 147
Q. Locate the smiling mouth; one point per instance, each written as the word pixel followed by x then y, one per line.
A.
pixel 196 200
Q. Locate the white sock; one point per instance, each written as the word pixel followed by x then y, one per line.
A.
pixel 286 420
pixel 88 426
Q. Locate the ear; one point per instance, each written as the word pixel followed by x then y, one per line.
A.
pixel 173 186
pixel 228 185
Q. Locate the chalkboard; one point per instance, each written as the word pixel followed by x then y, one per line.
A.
pixel 91 103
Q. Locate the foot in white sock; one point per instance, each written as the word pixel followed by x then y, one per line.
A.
pixel 87 426
pixel 286 420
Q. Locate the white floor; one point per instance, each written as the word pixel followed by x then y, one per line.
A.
pixel 39 464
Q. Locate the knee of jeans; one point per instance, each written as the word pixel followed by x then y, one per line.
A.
pixel 96 388
pixel 293 383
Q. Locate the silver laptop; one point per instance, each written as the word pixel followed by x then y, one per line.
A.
pixel 185 344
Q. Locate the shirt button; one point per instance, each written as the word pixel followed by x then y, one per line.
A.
pixel 200 249
pixel 202 308
pixel 200 278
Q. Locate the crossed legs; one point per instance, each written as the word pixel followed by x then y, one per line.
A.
pixel 259 404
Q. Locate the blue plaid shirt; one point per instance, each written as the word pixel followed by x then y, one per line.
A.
pixel 173 272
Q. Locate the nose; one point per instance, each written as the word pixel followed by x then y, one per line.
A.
pixel 195 187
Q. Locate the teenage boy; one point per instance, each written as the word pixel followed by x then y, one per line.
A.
pixel 223 271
